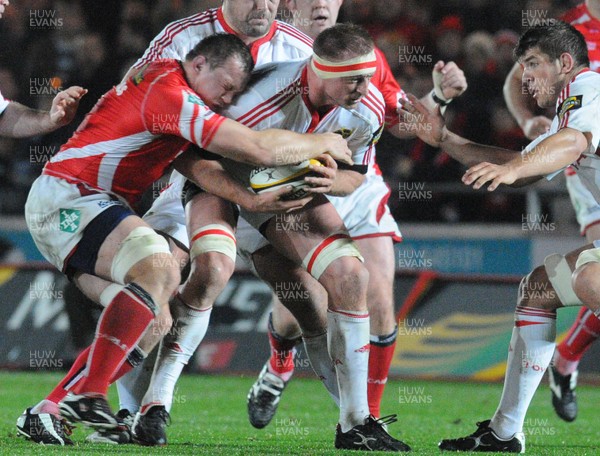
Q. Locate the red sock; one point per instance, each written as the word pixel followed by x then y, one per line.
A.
pixel 380 359
pixel 72 380
pixel 74 375
pixel 582 334
pixel 121 326
pixel 281 362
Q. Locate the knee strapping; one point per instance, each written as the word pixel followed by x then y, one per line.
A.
pixel 588 256
pixel 139 244
pixel 559 273
pixel 213 238
pixel 335 246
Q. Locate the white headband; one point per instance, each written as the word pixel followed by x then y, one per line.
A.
pixel 326 69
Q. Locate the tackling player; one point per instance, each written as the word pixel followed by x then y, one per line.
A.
pixel 586 329
pixel 555 71
pixel 80 212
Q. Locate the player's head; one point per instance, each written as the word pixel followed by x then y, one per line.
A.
pixel 250 18
pixel 218 69
pixel 343 63
pixel 550 56
pixel 3 5
pixel 313 16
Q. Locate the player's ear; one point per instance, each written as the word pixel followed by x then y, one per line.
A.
pixel 567 62
pixel 199 62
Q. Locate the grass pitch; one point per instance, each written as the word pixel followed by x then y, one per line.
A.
pixel 209 418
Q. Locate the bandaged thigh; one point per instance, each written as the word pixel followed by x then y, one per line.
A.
pixel 330 249
pixel 213 238
pixel 140 243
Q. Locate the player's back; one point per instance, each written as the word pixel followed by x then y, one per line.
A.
pixel 131 136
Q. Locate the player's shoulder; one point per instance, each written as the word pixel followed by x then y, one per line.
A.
pixel 270 87
pixel 372 107
pixel 292 37
pixel 586 82
pixel 203 19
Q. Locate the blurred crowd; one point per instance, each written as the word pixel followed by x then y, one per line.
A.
pixel 46 45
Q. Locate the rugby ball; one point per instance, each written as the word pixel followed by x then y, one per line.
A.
pixel 271 179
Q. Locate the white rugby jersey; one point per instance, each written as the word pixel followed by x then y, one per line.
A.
pixel 282 43
pixel 578 107
pixel 3 103
pixel 278 98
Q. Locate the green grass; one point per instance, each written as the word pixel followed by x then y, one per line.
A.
pixel 209 417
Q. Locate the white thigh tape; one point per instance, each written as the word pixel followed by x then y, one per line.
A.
pixel 213 238
pixel 139 244
pixel 588 256
pixel 559 273
pixel 334 247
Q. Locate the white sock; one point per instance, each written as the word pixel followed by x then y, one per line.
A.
pixel 46 406
pixel 348 342
pixel 132 386
pixel 318 355
pixel 176 349
pixel 529 355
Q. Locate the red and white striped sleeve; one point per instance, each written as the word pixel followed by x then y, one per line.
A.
pixel 175 109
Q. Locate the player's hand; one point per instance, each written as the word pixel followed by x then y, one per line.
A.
pixel 275 201
pixel 483 173
pixel 65 104
pixel 328 173
pixel 452 82
pixel 337 147
pixel 428 125
pixel 536 126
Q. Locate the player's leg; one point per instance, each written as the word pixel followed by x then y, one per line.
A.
pixel 378 253
pixel 305 298
pixel 586 328
pixel 530 352
pixel 135 255
pixel 210 222
pixel 318 240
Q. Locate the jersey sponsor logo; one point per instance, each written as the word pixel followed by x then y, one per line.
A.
pixel 345 132
pixel 569 104
pixel 195 99
pixel 377 135
pixel 69 220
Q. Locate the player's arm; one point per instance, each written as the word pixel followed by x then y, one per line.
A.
pixel 274 147
pixel 553 153
pixel 518 105
pixel 213 178
pixel 449 82
pixel 19 121
pixel 430 128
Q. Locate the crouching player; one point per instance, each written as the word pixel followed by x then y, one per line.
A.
pixel 555 70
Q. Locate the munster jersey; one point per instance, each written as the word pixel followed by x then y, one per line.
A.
pixel 578 107
pixel 3 103
pixel 589 27
pixel 283 42
pixel 135 132
pixel 279 99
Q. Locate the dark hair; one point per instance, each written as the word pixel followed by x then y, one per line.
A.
pixel 342 41
pixel 220 47
pixel 554 40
